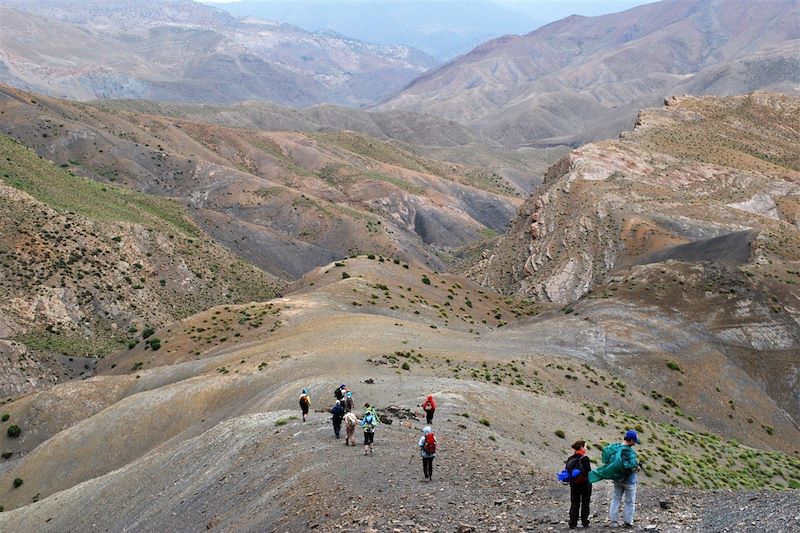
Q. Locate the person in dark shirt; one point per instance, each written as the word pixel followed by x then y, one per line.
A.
pixel 338 413
pixel 580 490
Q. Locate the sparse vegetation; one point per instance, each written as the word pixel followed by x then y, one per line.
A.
pixel 672 365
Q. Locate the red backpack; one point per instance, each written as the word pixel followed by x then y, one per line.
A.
pixel 429 446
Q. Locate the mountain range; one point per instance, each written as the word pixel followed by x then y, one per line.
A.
pixel 440 29
pixel 585 78
pixel 183 51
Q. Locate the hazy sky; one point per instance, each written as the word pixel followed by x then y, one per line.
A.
pixel 545 10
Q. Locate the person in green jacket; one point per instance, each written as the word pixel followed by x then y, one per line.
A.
pixel 620 465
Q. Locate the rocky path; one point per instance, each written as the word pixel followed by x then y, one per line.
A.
pixel 482 488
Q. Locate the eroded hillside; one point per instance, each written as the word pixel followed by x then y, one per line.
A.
pixel 693 171
pixel 86 267
pixel 204 432
pixel 694 213
pixel 286 201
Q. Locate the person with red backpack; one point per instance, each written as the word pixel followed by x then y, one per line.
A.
pixel 429 406
pixel 427 449
pixel 580 490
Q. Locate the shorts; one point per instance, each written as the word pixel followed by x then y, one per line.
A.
pixel 368 437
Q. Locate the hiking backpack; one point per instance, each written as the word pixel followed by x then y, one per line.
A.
pixel 572 472
pixel 369 423
pixel 304 401
pixel 429 446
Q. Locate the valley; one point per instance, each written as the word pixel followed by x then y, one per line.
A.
pixel 202 216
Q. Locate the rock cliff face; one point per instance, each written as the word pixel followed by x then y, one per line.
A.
pixel 693 171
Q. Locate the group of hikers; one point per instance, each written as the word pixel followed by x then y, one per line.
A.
pixel 343 411
pixel 620 464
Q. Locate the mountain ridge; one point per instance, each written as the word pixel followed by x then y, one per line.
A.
pixel 183 51
pixel 582 78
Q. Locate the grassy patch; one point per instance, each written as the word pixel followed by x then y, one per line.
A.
pixel 23 169
pixel 677 457
pixel 72 345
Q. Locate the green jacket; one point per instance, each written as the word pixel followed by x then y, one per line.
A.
pixel 618 461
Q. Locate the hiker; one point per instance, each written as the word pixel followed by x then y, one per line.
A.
pixel 580 490
pixel 348 402
pixel 620 465
pixel 368 424
pixel 427 450
pixel 339 392
pixel 429 406
pixel 338 413
pixel 350 423
pixel 305 403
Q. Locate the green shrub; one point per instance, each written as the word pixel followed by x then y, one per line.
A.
pixel 426 280
pixel 672 365
pixel 345 275
pixel 14 431
pixel 6 416
pixel 281 422
pixel 406 366
pixel 484 421
pixel 560 433
pixel 147 332
pixel 155 344
pixel 18 482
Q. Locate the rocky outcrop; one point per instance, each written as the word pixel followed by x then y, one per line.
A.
pixel 677 178
pixel 21 371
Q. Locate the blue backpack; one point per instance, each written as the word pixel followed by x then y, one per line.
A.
pixel 571 471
